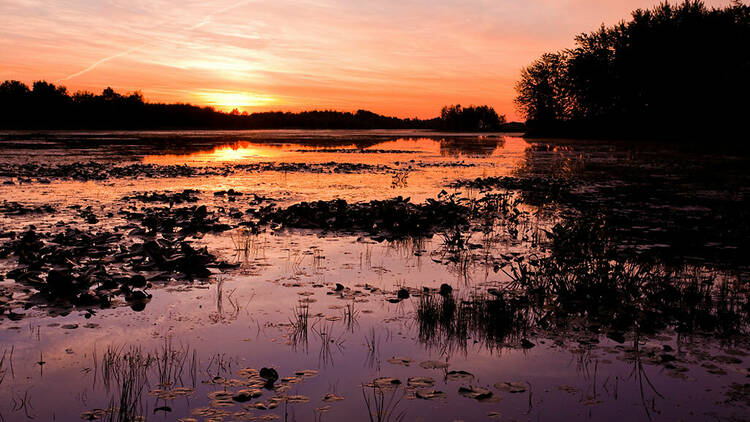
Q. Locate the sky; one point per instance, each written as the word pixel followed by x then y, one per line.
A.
pixel 405 58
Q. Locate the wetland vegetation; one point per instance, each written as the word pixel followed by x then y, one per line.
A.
pixel 178 262
pixel 448 276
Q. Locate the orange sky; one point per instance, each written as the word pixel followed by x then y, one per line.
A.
pixel 397 57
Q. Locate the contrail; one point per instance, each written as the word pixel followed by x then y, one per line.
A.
pixel 203 22
pixel 98 62
pixel 208 17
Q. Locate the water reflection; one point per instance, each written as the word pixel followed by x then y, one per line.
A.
pixel 243 151
pixel 482 146
pixel 569 311
pixel 237 151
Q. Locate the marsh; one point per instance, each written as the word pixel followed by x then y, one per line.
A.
pixel 370 275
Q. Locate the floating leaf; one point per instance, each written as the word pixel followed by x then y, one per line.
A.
pixel 430 394
pixel 512 387
pixel 477 393
pixel 298 399
pixel 459 376
pixel 385 382
pixel 330 397
pixel 400 361
pixel 307 373
pixel 420 382
pixel 247 395
pixel 433 364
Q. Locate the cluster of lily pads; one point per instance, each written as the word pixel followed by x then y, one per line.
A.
pixel 386 219
pixel 92 170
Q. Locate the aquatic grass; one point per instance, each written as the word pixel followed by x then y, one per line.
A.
pixel 170 364
pixel 579 270
pixel 218 365
pixel 300 326
pixel 350 317
pixel 372 344
pixel 221 297
pixel 406 247
pixel 247 245
pixel 328 339
pixel 127 373
pixel 6 363
pixel 448 323
pixel 584 273
pixel 19 403
pixel 382 409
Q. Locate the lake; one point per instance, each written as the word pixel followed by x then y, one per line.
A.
pixel 370 275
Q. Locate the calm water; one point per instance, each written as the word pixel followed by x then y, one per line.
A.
pixel 195 345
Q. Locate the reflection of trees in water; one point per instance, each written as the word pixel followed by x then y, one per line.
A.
pixel 480 146
pixel 198 142
pixel 679 204
pixel 553 160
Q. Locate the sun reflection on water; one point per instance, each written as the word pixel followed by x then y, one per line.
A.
pixel 372 151
pixel 238 151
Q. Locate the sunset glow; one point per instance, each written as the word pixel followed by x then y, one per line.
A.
pixel 392 57
pixel 391 210
pixel 228 101
pixel 239 151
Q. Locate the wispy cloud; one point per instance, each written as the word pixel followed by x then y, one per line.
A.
pixel 204 21
pixel 92 66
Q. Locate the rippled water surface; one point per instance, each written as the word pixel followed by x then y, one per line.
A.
pixel 579 280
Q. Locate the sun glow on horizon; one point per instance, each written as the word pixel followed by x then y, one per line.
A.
pixel 404 59
pixel 229 100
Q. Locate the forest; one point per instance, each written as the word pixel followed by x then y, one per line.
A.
pixel 671 71
pixel 45 105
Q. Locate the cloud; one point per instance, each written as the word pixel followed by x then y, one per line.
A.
pixel 407 57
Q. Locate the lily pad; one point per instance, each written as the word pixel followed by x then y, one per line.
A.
pixel 298 399
pixel 307 373
pixel 430 394
pixel 459 376
pixel 567 388
pixel 420 382
pixel 433 364
pixel 220 395
pixel 512 387
pixel 477 393
pixel 386 382
pixel 400 361
pixel 330 397
pixel 247 395
pixel 727 359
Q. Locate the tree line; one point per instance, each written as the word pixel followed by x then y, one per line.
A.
pixel 671 71
pixel 48 106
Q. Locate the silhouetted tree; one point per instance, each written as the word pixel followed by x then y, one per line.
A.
pixel 542 92
pixel 679 70
pixel 47 106
pixel 472 118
